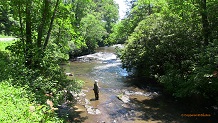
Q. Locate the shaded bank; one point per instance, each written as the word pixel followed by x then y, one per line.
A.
pixel 146 103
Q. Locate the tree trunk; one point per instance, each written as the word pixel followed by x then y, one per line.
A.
pixel 42 26
pixel 205 23
pixel 51 25
pixel 43 21
pixel 28 52
pixel 21 30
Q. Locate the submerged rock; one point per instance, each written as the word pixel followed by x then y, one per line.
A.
pixel 69 74
pixel 97 111
pixel 124 98
pixel 92 110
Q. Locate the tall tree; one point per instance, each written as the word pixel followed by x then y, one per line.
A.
pixel 35 26
pixel 176 44
pixel 93 31
pixel 205 22
pixel 107 11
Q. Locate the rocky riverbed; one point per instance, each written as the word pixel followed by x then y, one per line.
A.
pixel 122 98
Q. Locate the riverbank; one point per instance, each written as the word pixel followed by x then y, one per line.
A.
pixel 121 100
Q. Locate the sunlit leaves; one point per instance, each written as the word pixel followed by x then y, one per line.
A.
pixel 168 44
pixel 93 30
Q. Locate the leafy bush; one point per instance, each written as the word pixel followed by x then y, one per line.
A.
pixel 45 78
pixel 4 60
pixel 174 55
pixel 49 79
pixel 17 107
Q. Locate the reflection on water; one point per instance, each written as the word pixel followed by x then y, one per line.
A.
pixel 146 103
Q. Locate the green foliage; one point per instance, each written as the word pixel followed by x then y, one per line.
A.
pixel 93 31
pixel 94 21
pixel 63 23
pixel 42 45
pixel 44 30
pixel 109 13
pixel 171 45
pixel 47 78
pixel 140 10
pixel 3 65
pixel 6 20
pixel 119 33
pixel 4 44
pixel 200 79
pixel 5 36
pixel 17 107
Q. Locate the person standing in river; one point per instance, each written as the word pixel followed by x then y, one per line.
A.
pixel 96 90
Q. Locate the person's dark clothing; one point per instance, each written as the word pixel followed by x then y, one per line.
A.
pixel 96 91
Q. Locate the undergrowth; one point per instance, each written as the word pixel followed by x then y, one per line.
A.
pixel 17 107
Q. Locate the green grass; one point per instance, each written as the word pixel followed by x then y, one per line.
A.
pixel 16 107
pixel 4 44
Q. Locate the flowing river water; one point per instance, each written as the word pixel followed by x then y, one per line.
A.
pixel 121 99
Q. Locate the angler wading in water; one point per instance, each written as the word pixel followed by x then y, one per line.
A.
pixel 96 90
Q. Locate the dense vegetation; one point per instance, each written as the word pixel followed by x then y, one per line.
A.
pixel 17 107
pixel 174 42
pixel 48 32
pixel 80 25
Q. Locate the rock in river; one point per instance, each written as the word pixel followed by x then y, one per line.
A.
pixel 123 98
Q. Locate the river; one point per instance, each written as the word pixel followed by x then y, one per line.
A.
pixel 122 99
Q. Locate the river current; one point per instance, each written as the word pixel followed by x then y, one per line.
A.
pixel 121 100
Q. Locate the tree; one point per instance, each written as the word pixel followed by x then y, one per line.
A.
pixel 34 31
pixel 176 45
pixel 6 20
pixel 106 12
pixel 139 10
pixel 110 14
pixel 93 31
pixel 44 29
pixel 80 8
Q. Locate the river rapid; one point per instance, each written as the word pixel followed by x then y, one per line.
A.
pixel 122 98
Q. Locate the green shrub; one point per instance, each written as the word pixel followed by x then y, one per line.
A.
pixel 49 78
pixel 174 55
pixel 45 76
pixel 17 107
pixel 4 61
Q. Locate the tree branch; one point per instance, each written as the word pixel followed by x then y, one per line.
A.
pixel 51 24
pixel 43 21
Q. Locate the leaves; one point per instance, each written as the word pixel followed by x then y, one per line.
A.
pixel 17 107
pixel 169 45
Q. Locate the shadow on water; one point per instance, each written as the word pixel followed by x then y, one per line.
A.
pixel 160 110
pixel 148 102
pixel 164 108
pixel 167 110
pixel 69 113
